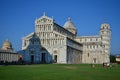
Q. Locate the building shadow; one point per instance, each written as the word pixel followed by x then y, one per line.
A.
pixel 33 52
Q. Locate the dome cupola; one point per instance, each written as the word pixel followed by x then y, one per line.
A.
pixel 70 26
pixel 7 45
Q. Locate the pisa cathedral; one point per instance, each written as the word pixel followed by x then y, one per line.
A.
pixel 52 43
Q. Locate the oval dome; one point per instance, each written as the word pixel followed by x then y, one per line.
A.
pixel 69 24
pixel 7 45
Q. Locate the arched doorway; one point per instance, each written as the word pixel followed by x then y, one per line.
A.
pixel 55 58
pixel 32 58
pixel 94 60
pixel 44 55
pixel 43 59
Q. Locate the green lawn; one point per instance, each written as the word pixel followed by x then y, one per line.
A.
pixel 59 72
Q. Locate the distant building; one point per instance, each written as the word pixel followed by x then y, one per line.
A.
pixel 53 43
pixel 7 54
pixel 118 58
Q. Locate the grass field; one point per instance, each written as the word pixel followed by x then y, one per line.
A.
pixel 59 72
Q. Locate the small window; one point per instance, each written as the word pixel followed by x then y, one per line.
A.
pixel 55 51
pixel 103 27
pixel 90 39
pixel 90 46
pixel 96 39
pixel 32 41
pixel 25 44
pixel 102 32
pixel 87 46
pixel 107 27
pixel 88 55
pixel 56 35
pixel 32 52
pixel 93 46
pixel 97 46
pixel 94 60
pixel 80 40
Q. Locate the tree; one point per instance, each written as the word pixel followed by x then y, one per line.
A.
pixel 112 59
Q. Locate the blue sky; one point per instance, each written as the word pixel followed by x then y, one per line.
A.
pixel 17 17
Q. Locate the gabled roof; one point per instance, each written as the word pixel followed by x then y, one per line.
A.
pixel 44 19
pixel 29 36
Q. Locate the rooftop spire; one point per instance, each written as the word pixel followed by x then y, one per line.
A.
pixel 36 18
pixel 104 20
pixel 69 19
pixel 52 17
pixel 7 40
pixel 43 13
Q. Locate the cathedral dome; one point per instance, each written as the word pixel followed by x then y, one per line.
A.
pixel 69 24
pixel 6 45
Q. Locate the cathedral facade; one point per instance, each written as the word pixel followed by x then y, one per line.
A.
pixel 52 43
